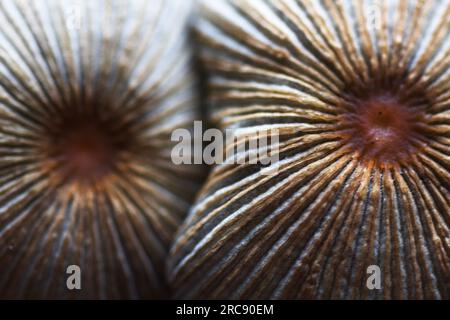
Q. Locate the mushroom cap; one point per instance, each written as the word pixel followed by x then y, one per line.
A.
pixel 90 92
pixel 359 92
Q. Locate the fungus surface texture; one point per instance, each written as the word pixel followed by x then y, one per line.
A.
pixel 359 92
pixel 90 92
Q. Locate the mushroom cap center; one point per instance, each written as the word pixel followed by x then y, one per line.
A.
pixel 383 129
pixel 84 150
pixel 87 152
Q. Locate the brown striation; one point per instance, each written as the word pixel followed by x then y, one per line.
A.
pixel 90 92
pixel 360 93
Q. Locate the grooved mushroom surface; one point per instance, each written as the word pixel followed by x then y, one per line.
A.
pixel 90 92
pixel 360 94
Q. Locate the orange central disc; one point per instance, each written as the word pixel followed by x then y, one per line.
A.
pixel 384 130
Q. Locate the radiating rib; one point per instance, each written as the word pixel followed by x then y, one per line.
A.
pixel 90 92
pixel 344 198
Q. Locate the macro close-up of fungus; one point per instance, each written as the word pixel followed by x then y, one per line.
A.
pixel 89 98
pixel 352 98
pixel 359 92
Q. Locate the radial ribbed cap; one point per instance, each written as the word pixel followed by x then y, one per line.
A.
pixel 359 92
pixel 90 92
